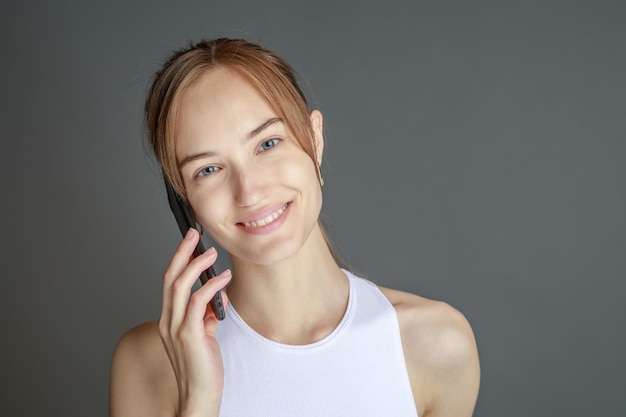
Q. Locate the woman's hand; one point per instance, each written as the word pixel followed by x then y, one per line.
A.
pixel 188 329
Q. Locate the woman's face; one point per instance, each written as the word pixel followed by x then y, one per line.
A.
pixel 249 182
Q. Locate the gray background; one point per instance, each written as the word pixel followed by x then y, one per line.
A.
pixel 475 154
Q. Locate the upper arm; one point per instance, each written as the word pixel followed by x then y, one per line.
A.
pixel 440 353
pixel 452 367
pixel 141 376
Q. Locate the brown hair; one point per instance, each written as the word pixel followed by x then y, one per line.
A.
pixel 268 72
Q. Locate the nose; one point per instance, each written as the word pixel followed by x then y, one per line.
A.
pixel 248 186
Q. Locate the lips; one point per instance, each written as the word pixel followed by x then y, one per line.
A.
pixel 264 218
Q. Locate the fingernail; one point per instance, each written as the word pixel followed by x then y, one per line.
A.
pixel 189 234
pixel 227 276
pixel 210 251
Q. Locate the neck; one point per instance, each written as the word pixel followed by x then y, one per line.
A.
pixel 296 301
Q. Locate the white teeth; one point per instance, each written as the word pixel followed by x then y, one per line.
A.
pixel 266 220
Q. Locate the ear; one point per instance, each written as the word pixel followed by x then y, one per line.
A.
pixel 317 122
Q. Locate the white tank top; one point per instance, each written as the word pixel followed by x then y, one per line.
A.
pixel 357 370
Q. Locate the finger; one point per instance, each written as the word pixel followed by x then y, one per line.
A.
pixel 179 261
pixel 182 255
pixel 199 301
pixel 210 320
pixel 225 300
pixel 182 285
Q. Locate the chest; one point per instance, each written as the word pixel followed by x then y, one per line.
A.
pixel 358 371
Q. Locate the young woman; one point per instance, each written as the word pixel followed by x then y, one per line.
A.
pixel 233 133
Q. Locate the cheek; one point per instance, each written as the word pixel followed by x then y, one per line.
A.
pixel 212 220
pixel 210 208
pixel 302 175
pixel 299 169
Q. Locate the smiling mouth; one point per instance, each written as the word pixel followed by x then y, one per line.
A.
pixel 267 219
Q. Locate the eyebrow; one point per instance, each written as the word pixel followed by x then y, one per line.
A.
pixel 263 126
pixel 194 157
pixel 254 132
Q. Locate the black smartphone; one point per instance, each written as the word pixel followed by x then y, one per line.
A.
pixel 185 221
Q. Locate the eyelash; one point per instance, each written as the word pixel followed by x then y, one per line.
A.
pixel 202 172
pixel 212 169
pixel 274 142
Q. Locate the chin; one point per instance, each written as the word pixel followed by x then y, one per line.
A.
pixel 264 250
pixel 267 254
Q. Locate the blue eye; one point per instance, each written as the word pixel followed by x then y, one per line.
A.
pixel 269 144
pixel 206 171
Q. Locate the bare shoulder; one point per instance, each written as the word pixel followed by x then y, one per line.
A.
pixel 440 353
pixel 432 327
pixel 142 380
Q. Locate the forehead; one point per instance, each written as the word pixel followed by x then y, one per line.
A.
pixel 220 92
pixel 221 104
